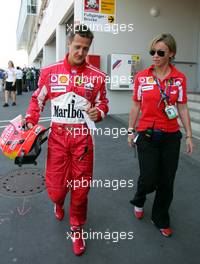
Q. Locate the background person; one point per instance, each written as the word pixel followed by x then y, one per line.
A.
pixel 70 154
pixel 33 70
pixel 29 79
pixel 19 76
pixel 159 93
pixel 37 76
pixel 10 87
pixel 1 81
pixel 24 84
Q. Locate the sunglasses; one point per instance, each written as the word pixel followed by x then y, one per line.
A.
pixel 160 53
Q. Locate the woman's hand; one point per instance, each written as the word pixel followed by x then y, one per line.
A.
pixel 185 119
pixel 131 138
pixel 189 145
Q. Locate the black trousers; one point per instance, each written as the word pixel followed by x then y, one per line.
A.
pixel 19 86
pixel 158 162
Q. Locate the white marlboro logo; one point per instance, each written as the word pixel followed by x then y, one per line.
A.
pixel 58 89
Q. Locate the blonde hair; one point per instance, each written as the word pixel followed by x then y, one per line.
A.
pixel 169 41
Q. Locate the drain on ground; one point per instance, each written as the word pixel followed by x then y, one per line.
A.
pixel 22 182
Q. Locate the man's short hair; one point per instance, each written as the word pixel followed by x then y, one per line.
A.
pixel 83 31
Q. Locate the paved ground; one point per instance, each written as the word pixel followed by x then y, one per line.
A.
pixel 30 234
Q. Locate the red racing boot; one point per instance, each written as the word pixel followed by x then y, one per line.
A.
pixel 78 240
pixel 59 212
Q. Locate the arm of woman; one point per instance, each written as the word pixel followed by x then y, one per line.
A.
pixel 185 119
pixel 14 78
pixel 134 113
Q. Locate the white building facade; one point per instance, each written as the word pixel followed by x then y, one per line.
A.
pixel 44 25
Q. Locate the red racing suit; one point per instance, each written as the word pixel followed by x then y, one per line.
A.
pixel 72 90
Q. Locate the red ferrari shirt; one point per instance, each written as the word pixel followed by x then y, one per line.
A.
pixel 147 91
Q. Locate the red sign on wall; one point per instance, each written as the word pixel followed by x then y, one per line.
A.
pixel 92 6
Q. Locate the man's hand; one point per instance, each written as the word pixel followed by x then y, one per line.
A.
pixel 29 125
pixel 93 113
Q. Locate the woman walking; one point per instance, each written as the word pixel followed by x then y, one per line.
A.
pixel 10 87
pixel 160 95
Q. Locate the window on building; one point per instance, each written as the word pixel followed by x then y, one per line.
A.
pixel 32 6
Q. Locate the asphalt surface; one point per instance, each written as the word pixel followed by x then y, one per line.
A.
pixel 30 233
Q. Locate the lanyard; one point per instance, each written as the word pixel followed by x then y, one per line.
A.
pixel 164 96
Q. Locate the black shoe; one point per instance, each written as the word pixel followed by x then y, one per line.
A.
pixel 13 103
pixel 5 105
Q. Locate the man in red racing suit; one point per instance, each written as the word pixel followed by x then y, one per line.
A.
pixel 77 91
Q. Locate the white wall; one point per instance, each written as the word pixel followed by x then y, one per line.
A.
pixel 49 54
pixel 178 17
pixel 53 15
pixel 61 40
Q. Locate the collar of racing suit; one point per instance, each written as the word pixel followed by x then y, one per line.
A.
pixel 76 69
